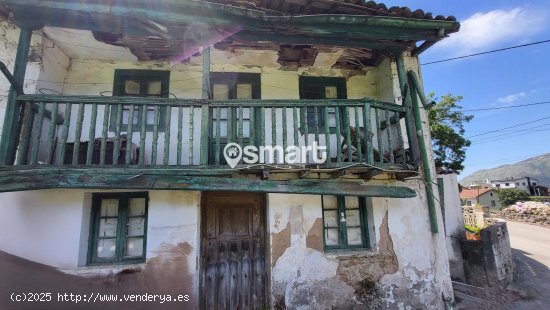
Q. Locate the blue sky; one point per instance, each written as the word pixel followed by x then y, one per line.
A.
pixel 518 76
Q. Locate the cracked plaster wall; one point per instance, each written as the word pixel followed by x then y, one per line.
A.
pixel 406 267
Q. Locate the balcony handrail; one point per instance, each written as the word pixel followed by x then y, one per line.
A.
pixel 244 103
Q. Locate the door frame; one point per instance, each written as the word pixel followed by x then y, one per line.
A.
pixel 266 240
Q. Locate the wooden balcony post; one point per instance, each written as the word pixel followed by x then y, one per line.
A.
pixel 205 118
pixel 409 115
pixel 10 137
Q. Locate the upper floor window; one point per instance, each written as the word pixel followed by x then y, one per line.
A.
pixel 141 83
pixel 345 222
pixel 119 227
pixel 230 86
pixel 322 88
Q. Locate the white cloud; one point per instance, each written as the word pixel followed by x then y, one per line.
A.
pixel 483 31
pixel 511 98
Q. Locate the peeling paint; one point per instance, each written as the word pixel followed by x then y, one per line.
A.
pixel 279 243
pixel 314 239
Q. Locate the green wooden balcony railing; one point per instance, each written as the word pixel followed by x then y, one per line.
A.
pixel 143 132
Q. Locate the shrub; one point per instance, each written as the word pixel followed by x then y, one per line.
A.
pixel 509 196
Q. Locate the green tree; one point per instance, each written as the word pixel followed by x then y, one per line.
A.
pixel 447 130
pixel 509 196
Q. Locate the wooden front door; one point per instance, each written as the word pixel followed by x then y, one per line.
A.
pixel 233 269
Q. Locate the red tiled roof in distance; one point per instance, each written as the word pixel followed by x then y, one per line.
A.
pixel 473 193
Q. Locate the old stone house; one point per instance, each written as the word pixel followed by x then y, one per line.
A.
pixel 115 118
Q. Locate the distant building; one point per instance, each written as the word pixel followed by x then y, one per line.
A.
pixel 527 184
pixel 484 196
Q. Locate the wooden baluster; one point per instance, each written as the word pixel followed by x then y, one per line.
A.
pixel 296 126
pixel 285 130
pixel 156 119
pixel 205 133
pixel 64 134
pixel 379 136
pixel 252 125
pixel 326 125
pixel 218 135
pixel 180 135
pixel 368 139
pixel 240 127
pixel 358 135
pixel 91 135
pixel 104 135
pixel 338 135
pixel 316 120
pixel 230 125
pixel 388 134
pixel 262 126
pixel 52 134
pixel 142 134
pixel 116 140
pixel 129 134
pixel 168 119
pixel 35 144
pixel 78 134
pixel 348 133
pixel 401 144
pixel 274 133
pixel 25 134
pixel 305 126
pixel 191 133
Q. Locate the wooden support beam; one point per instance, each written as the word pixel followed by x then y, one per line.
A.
pixel 18 180
pixel 10 137
pixel 424 154
pixel 423 47
pixel 11 79
pixel 407 105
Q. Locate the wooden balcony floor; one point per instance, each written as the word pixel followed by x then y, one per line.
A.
pixel 333 179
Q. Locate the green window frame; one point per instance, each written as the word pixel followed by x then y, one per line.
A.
pixel 142 78
pixel 318 88
pixel 345 223
pixel 231 80
pixel 118 228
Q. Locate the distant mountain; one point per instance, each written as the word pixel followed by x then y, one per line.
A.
pixel 535 167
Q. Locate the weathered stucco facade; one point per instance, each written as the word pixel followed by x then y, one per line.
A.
pixel 406 266
pixel 392 274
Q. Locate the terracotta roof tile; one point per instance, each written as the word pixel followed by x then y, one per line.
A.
pixel 352 7
pixel 473 193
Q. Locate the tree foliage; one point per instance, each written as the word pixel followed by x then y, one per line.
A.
pixel 509 196
pixel 447 130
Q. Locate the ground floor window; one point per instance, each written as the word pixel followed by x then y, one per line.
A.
pixel 345 222
pixel 119 227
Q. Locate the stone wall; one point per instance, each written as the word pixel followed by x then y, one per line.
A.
pixel 489 261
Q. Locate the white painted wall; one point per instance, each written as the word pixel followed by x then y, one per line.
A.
pixel 52 226
pixel 454 224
